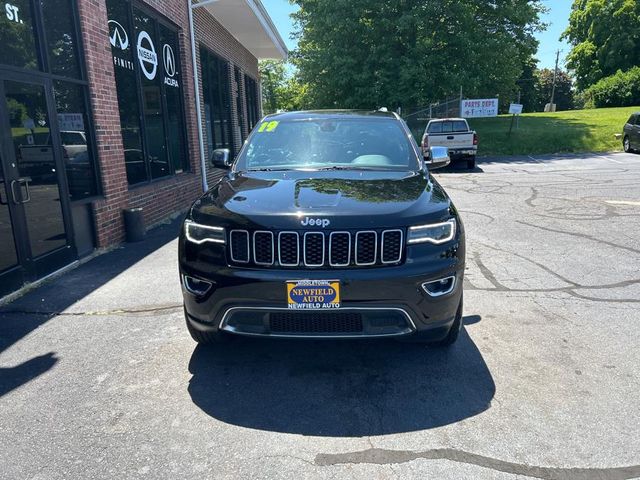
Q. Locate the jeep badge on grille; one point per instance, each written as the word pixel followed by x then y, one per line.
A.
pixel 315 222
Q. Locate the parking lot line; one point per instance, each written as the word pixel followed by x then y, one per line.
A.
pixel 610 159
pixel 623 202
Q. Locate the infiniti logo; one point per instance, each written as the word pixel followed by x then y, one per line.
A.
pixel 118 35
pixel 315 222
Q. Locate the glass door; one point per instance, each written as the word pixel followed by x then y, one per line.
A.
pixel 33 179
pixel 11 274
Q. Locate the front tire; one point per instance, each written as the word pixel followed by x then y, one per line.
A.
pixel 471 162
pixel 626 144
pixel 450 339
pixel 454 332
pixel 206 338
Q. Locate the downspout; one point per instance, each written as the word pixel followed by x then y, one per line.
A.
pixel 196 84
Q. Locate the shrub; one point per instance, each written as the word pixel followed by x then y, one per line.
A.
pixel 619 90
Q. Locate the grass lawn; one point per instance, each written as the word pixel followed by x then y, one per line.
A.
pixel 573 131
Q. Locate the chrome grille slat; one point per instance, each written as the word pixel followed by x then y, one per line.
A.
pixel 316 249
pixel 363 245
pixel 282 247
pixel 334 249
pixel 394 243
pixel 310 249
pixel 238 246
pixel 264 257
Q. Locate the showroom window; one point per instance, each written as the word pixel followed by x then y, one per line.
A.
pixel 253 110
pixel 239 107
pixel 216 91
pixel 146 59
pixel 60 39
pixel 75 138
pixel 18 37
pixel 42 36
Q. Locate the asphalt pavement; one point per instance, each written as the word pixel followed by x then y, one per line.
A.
pixel 100 379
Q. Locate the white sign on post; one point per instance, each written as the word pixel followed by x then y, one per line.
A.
pixel 484 107
pixel 515 109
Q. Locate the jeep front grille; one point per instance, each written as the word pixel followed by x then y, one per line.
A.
pixel 315 322
pixel 317 249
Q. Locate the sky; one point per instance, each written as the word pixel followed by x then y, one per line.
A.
pixel 557 18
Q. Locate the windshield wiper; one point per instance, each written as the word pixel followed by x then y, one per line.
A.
pixel 268 169
pixel 344 167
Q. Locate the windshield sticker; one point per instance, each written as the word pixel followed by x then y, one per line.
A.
pixel 268 126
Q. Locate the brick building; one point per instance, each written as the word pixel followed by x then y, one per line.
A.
pixel 98 114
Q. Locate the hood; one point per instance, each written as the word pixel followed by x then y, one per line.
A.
pixel 347 199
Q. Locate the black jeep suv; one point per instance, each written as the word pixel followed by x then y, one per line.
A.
pixel 327 225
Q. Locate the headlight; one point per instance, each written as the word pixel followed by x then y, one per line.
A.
pixel 198 233
pixel 436 233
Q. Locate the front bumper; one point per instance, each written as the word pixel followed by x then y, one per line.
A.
pixel 383 302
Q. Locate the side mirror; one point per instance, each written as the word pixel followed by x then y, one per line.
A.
pixel 221 158
pixel 438 157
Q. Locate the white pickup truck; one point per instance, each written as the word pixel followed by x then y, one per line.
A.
pixel 455 134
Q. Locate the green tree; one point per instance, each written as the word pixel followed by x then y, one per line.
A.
pixel 605 38
pixel 281 89
pixel 372 53
pixel 527 83
pixel 563 97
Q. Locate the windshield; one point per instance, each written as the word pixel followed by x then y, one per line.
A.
pixel 350 143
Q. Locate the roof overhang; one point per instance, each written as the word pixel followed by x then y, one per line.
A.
pixel 250 24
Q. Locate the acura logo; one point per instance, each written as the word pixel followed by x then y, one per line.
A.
pixel 118 35
pixel 169 60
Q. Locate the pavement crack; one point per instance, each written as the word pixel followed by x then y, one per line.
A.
pixel 580 235
pixel 96 313
pixel 534 195
pixel 538 264
pixel 378 456
pixel 488 274
pixel 293 457
pixel 484 215
pixel 572 287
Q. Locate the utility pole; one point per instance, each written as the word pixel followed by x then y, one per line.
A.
pixel 555 76
pixel 518 117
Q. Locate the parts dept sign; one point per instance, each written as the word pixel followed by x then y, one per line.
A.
pixel 484 107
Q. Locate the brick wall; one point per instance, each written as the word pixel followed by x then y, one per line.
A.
pixel 160 198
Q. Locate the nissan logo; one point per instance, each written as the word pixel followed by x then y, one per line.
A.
pixel 118 35
pixel 147 55
pixel 169 60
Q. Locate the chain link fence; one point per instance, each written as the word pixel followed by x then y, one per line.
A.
pixel 418 117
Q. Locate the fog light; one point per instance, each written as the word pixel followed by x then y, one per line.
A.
pixel 437 288
pixel 196 286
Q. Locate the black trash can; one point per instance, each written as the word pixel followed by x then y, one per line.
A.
pixel 134 224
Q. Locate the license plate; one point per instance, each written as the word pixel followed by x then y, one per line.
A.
pixel 313 294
